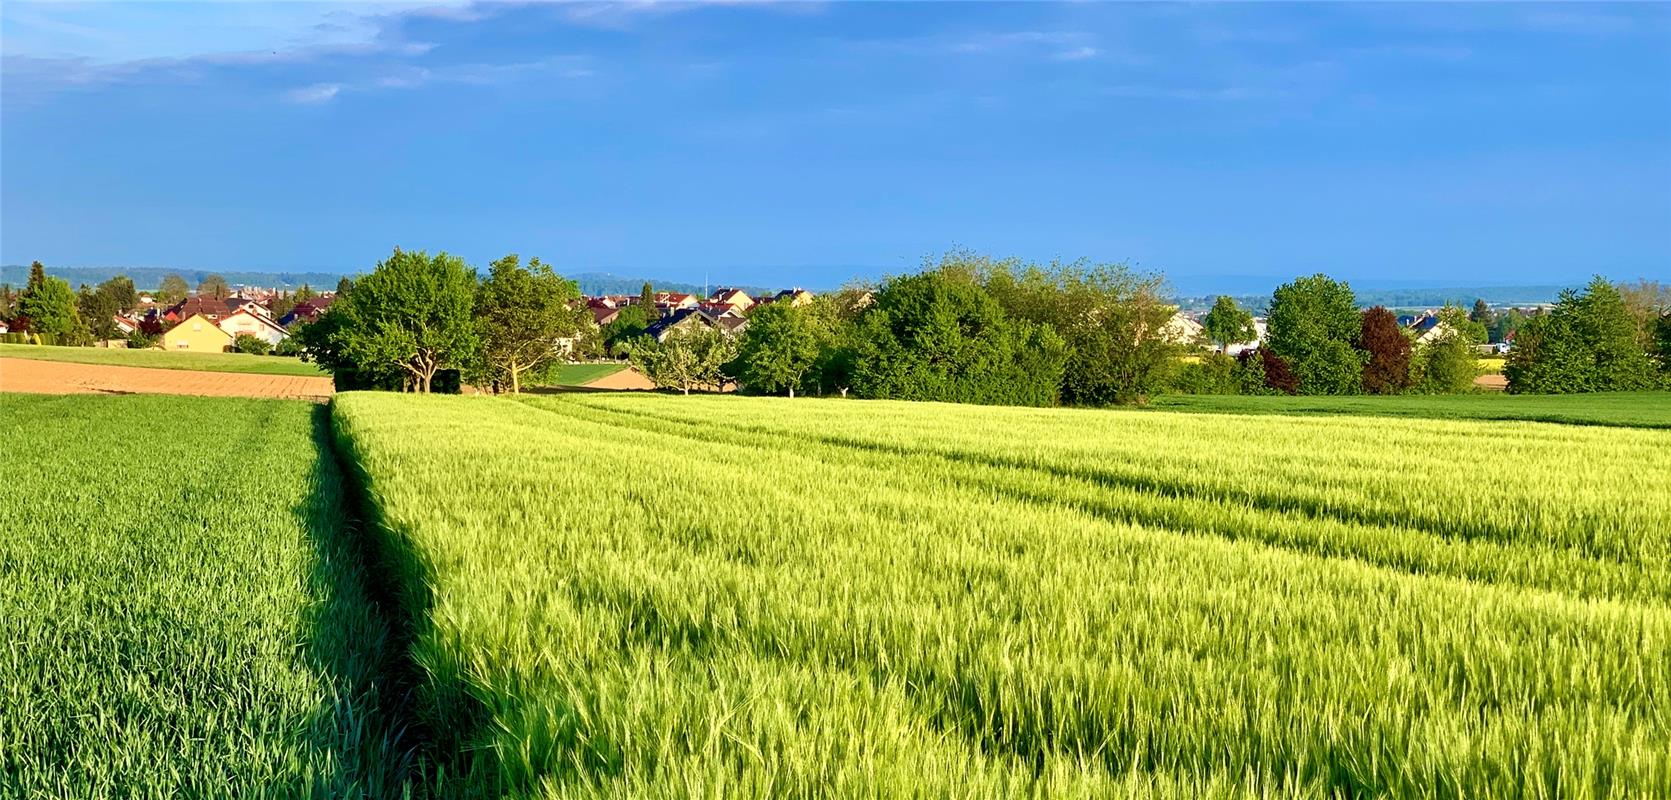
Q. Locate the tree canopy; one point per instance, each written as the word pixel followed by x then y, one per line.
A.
pixel 407 319
pixel 214 286
pixel 1589 342
pixel 173 289
pixel 1228 323
pixel 779 349
pixel 49 305
pixel 1312 324
pixel 522 312
pixel 1387 368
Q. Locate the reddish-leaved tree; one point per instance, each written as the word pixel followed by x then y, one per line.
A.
pixel 1388 368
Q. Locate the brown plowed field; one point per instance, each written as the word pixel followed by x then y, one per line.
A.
pixel 57 377
pixel 628 378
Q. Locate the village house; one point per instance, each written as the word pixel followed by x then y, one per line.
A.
pixel 258 325
pixel 728 296
pixel 198 334
pixel 1428 330
pixel 1182 329
pixel 307 311
pixel 796 297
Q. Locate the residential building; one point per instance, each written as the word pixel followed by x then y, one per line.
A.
pixel 258 325
pixel 197 333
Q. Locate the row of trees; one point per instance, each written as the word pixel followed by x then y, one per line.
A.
pixel 966 329
pixel 1605 338
pixel 47 306
pixel 416 316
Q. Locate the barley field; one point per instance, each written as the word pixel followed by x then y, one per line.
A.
pixel 654 596
pixel 179 614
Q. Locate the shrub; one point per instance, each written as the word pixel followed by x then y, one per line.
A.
pixel 253 345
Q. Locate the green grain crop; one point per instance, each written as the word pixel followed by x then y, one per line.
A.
pixel 650 596
pixel 165 359
pixel 180 615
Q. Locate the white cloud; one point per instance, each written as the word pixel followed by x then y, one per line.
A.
pixel 1077 54
pixel 313 95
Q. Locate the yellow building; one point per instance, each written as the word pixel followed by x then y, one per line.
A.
pixel 198 335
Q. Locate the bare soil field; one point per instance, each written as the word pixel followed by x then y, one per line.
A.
pixel 55 377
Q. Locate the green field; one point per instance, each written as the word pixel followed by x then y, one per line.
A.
pixel 635 595
pixel 578 374
pixel 1629 409
pixel 163 359
pixel 179 616
pixel 649 596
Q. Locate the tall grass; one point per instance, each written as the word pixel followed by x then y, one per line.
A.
pixel 651 596
pixel 180 614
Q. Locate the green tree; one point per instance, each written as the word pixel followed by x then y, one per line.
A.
pixel 1387 365
pixel 1312 324
pixel 940 336
pixel 629 323
pixel 1114 323
pixel 97 310
pixel 1505 324
pixel 1589 342
pixel 172 290
pixel 687 359
pixel 1446 364
pixel 8 302
pixel 778 350
pixel 50 306
pixel 281 305
pixel 1482 313
pixel 522 312
pixel 411 316
pixel 121 292
pixel 647 301
pixel 253 345
pixel 306 292
pixel 1471 330
pixel 214 286
pixel 1228 323
pixel 344 286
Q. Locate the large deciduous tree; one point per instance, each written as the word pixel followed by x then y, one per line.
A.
pixel 686 359
pixel 1589 342
pixel 1312 324
pixel 522 312
pixel 173 289
pixel 1387 369
pixel 214 286
pixel 412 315
pixel 49 305
pixel 778 349
pixel 1227 323
pixel 941 336
pixel 98 312
pixel 121 292
pixel 1113 321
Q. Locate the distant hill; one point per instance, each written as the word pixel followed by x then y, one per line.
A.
pixel 1404 298
pixel 150 278
pixel 596 283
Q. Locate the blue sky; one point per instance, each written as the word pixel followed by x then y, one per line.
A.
pixel 803 143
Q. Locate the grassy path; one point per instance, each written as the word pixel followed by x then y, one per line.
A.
pixel 163 359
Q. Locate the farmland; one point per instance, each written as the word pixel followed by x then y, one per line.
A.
pixel 180 613
pixel 1627 409
pixel 714 596
pixel 164 359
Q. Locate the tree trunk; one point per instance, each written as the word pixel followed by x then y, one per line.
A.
pixel 516 379
pixel 685 389
pixel 791 393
